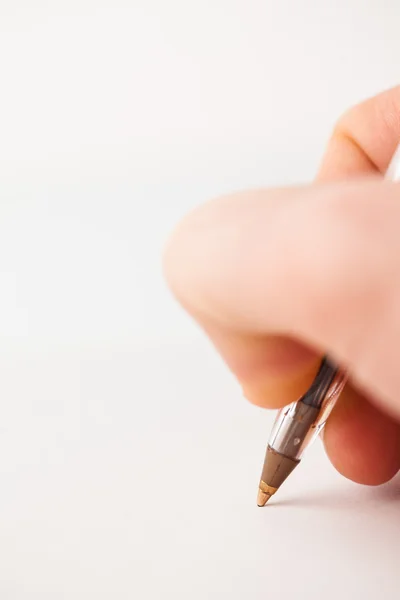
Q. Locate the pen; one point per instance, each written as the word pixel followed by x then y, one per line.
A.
pixel 299 424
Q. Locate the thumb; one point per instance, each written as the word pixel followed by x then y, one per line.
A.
pixel 318 266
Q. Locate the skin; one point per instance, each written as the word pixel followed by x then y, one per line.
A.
pixel 278 277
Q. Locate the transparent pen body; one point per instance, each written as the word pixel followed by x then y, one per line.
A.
pixel 299 424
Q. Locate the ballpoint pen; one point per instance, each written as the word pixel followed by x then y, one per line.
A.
pixel 299 424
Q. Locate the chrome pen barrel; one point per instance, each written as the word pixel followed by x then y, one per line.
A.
pixel 291 429
pixel 297 425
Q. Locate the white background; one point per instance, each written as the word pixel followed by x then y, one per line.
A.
pixel 116 118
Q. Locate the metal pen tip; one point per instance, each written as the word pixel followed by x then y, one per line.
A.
pixel 262 498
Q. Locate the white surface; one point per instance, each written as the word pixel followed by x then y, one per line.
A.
pixel 116 117
pixel 100 451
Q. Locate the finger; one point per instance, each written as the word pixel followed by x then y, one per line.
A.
pixel 363 141
pixel 269 368
pixel 362 442
pixel 317 264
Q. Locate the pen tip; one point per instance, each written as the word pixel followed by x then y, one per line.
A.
pixel 262 498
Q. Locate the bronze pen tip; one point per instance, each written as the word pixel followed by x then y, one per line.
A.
pixel 265 492
pixel 262 498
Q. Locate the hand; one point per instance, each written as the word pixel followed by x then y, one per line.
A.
pixel 276 278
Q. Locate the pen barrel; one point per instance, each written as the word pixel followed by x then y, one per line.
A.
pixel 328 404
pixel 292 428
pixel 298 424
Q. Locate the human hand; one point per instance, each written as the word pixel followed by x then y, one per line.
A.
pixel 277 278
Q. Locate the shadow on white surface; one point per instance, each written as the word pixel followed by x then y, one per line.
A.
pixel 336 500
